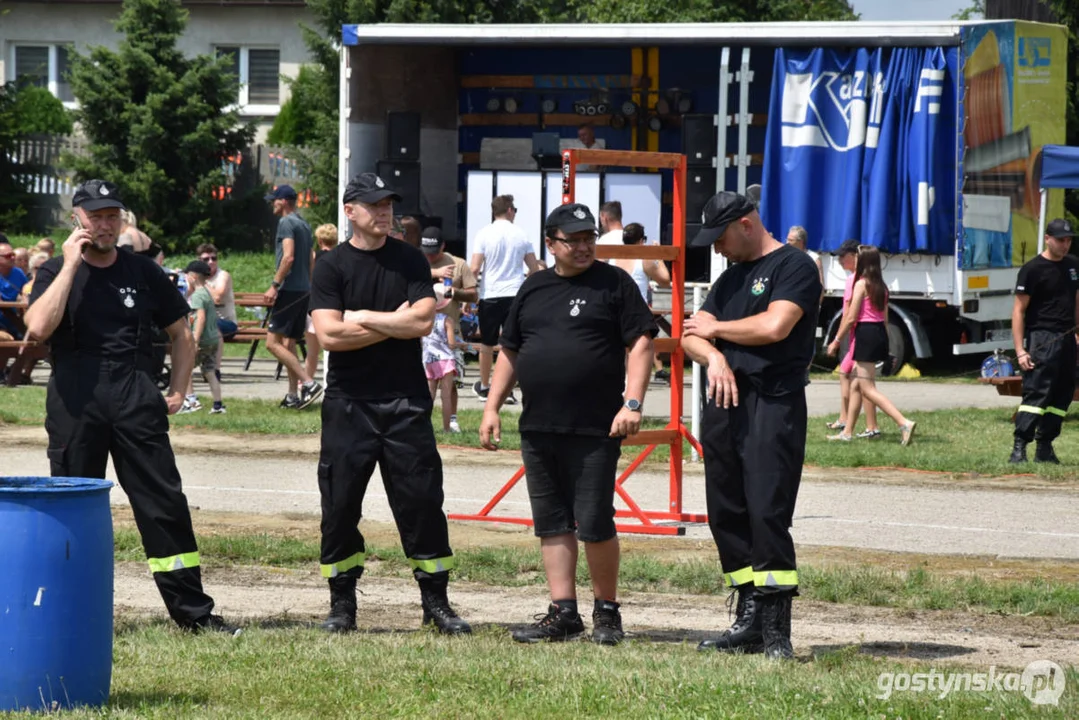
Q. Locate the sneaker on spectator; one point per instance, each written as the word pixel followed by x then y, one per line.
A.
pixel 455 427
pixel 663 375
pixel 309 393
pixel 217 409
pixel 291 402
pixel 558 625
pixel 193 401
pixel 480 391
pixel 188 407
pixel 512 399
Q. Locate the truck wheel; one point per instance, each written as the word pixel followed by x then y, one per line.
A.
pixel 898 347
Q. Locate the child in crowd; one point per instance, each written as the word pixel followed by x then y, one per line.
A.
pixel 439 361
pixel 204 328
pixel 325 240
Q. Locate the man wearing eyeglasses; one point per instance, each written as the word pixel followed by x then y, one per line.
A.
pixel 12 280
pixel 565 340
pixel 502 253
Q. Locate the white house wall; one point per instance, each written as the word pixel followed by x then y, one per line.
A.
pixel 208 26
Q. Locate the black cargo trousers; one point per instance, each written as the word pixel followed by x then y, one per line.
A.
pixel 396 434
pixel 100 406
pixel 1048 388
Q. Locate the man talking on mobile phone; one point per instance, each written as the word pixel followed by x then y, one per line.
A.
pixel 95 306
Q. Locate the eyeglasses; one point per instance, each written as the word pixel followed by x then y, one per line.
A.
pixel 209 258
pixel 578 241
pixel 8 256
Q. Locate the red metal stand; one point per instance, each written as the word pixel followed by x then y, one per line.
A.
pixel 675 430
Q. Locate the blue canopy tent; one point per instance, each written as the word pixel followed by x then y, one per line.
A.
pixel 1060 169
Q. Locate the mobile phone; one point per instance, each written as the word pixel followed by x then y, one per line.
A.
pixel 76 221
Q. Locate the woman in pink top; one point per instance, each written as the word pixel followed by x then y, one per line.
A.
pixel 868 315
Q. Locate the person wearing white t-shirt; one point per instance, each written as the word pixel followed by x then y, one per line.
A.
pixel 610 223
pixel 502 253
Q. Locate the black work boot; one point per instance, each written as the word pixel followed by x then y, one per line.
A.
pixel 437 610
pixel 744 636
pixel 1019 451
pixel 342 617
pixel 607 623
pixel 559 624
pixel 775 613
pixel 1044 453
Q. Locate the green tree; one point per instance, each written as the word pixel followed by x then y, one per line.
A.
pixel 38 111
pixel 13 195
pixel 159 126
pixel 318 159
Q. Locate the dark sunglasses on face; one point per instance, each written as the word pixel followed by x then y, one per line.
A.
pixel 7 255
pixel 209 258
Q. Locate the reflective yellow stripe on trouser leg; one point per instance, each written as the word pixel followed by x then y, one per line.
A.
pixel 332 570
pixel 434 565
pixel 743 576
pixel 1032 410
pixel 174 562
pixel 781 579
pixel 1056 411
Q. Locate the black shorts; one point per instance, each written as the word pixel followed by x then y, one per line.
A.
pixel 289 314
pixel 571 483
pixel 870 342
pixel 493 314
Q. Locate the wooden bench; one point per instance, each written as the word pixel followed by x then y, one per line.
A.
pixel 25 355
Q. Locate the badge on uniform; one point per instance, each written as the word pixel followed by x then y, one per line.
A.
pixel 579 214
pixel 575 310
pixel 758 286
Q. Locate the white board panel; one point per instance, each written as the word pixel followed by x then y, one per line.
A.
pixel 641 198
pixel 588 192
pixel 481 190
pixel 527 191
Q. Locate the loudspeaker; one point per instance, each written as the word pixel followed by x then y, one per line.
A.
pixel 403 136
pixel 404 177
pixel 700 187
pixel 699 139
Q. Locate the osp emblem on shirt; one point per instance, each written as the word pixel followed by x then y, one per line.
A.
pixel 759 285
pixel 575 306
pixel 1072 273
pixel 126 293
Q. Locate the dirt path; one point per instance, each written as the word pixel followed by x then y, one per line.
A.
pixel 262 596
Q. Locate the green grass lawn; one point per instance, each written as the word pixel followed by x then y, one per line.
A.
pixel 951 441
pixel 296 672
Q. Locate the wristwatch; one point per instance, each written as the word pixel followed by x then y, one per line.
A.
pixel 275 285
pixel 632 404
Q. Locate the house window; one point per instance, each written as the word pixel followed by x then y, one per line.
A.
pixel 258 72
pixel 45 66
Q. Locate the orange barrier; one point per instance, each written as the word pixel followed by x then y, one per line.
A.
pixel 673 434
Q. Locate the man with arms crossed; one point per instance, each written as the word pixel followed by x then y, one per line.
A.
pixel 565 339
pixel 371 302
pixel 755 335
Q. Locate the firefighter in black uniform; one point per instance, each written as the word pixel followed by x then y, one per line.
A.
pixel 371 302
pixel 1044 321
pixel 96 306
pixel 755 335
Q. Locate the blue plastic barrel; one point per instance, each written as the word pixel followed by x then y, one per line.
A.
pixel 56 566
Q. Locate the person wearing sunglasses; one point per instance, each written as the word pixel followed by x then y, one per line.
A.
pixel 579 339
pixel 12 280
pixel 219 284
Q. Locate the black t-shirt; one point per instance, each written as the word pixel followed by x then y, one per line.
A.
pixel 109 309
pixel 1051 287
pixel 746 289
pixel 347 278
pixel 571 335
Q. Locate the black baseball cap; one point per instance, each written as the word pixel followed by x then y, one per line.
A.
pixel 849 247
pixel 431 242
pixel 199 268
pixel 368 188
pixel 570 218
pixel 282 192
pixel 97 195
pixel 723 209
pixel 1060 228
